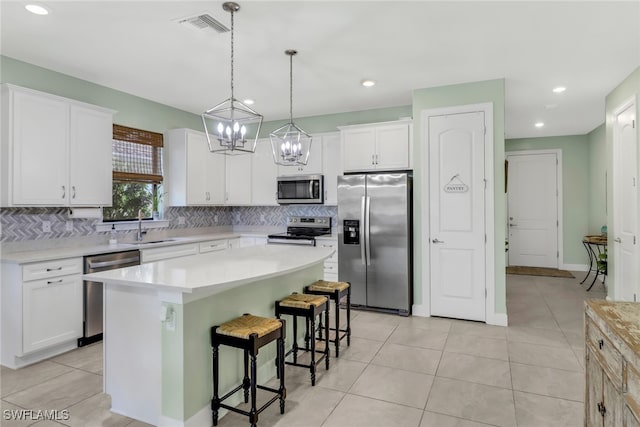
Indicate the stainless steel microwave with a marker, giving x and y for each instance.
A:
(301, 189)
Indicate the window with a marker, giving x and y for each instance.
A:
(137, 174)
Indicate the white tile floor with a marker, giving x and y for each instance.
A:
(398, 371)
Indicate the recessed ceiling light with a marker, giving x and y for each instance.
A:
(368, 83)
(249, 101)
(550, 106)
(37, 9)
(559, 89)
(539, 124)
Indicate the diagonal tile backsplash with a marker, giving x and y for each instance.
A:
(23, 224)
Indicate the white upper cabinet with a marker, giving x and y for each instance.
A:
(332, 166)
(264, 172)
(313, 166)
(194, 176)
(55, 151)
(374, 147)
(197, 177)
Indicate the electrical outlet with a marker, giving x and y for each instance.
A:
(46, 226)
(69, 226)
(181, 220)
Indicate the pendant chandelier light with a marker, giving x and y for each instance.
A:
(289, 143)
(231, 126)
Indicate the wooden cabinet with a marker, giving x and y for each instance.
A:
(313, 166)
(612, 361)
(55, 151)
(373, 147)
(197, 177)
(41, 310)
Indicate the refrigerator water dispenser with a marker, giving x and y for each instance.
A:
(351, 232)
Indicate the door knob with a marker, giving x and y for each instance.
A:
(437, 241)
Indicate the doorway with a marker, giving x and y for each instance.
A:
(533, 208)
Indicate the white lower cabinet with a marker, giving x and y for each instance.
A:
(41, 310)
(246, 241)
(166, 252)
(330, 264)
(214, 245)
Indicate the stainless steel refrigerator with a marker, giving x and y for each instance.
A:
(375, 240)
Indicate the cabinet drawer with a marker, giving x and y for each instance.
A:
(156, 254)
(633, 388)
(46, 269)
(332, 244)
(609, 357)
(214, 245)
(330, 267)
(330, 277)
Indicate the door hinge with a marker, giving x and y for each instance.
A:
(633, 123)
(634, 240)
(557, 254)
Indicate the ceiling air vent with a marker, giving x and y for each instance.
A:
(202, 21)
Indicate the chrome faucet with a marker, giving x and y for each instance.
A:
(140, 232)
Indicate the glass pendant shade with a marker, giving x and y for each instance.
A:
(290, 144)
(231, 127)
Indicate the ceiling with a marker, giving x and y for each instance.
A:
(139, 48)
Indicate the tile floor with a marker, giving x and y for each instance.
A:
(398, 371)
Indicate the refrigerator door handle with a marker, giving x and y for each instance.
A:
(367, 237)
(363, 255)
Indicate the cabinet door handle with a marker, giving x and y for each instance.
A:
(602, 409)
(54, 269)
(600, 344)
(51, 282)
(64, 192)
(376, 159)
(73, 192)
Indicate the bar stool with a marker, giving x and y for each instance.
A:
(307, 306)
(248, 333)
(335, 291)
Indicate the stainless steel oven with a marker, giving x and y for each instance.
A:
(301, 189)
(303, 230)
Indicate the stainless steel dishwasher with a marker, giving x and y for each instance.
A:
(93, 293)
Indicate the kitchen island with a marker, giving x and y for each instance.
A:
(157, 354)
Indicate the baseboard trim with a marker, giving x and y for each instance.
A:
(498, 319)
(420, 310)
(575, 267)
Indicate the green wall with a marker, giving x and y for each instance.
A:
(627, 89)
(575, 184)
(148, 115)
(598, 177)
(447, 96)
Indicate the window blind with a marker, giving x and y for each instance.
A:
(137, 155)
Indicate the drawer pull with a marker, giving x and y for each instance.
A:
(54, 269)
(602, 409)
(600, 343)
(51, 282)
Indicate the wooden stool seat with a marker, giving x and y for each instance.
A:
(248, 333)
(335, 291)
(309, 307)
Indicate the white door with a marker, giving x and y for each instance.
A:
(532, 209)
(625, 199)
(238, 179)
(457, 215)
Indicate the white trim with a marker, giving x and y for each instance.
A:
(574, 267)
(420, 310)
(614, 291)
(560, 201)
(497, 319)
(489, 202)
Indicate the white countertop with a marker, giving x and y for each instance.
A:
(215, 272)
(79, 251)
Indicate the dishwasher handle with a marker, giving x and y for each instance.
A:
(102, 264)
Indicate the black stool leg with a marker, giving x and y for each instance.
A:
(313, 350)
(326, 325)
(281, 389)
(215, 402)
(253, 414)
(349, 316)
(337, 297)
(246, 382)
(295, 339)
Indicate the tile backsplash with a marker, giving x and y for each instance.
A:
(22, 224)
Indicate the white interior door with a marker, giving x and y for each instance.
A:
(532, 208)
(457, 215)
(625, 203)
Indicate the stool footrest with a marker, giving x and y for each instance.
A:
(235, 390)
(246, 413)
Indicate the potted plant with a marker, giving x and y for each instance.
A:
(156, 201)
